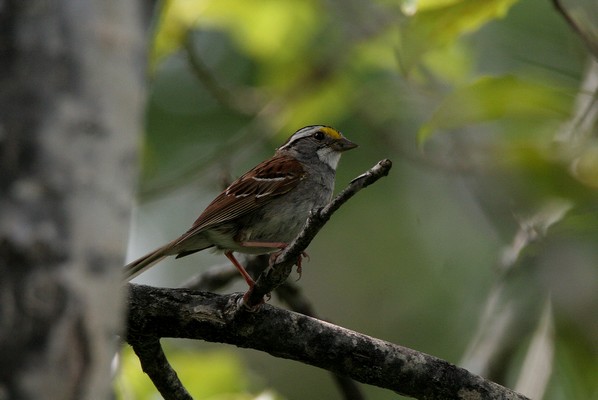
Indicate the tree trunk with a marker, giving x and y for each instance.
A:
(71, 93)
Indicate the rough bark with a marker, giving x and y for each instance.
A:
(243, 321)
(182, 313)
(70, 106)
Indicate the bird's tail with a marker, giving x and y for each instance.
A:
(134, 268)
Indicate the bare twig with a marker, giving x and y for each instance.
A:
(156, 366)
(506, 316)
(182, 313)
(229, 99)
(292, 295)
(234, 100)
(219, 276)
(277, 273)
(348, 388)
(213, 279)
(576, 21)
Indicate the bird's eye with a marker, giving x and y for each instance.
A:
(319, 135)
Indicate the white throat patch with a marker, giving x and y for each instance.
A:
(329, 156)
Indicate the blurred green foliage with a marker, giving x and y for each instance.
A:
(493, 98)
(488, 111)
(217, 375)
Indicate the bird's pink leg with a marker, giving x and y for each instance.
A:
(248, 279)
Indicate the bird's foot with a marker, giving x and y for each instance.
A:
(298, 263)
(254, 307)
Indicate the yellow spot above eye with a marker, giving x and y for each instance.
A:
(333, 133)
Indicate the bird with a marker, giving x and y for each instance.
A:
(265, 209)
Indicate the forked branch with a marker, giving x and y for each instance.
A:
(155, 313)
(183, 313)
(276, 274)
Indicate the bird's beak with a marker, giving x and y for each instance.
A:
(344, 144)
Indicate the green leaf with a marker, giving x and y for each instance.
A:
(434, 27)
(492, 98)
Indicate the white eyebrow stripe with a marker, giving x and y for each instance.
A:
(304, 132)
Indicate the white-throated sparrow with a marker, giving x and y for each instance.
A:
(263, 210)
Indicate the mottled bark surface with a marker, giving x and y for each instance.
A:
(157, 312)
(244, 321)
(70, 106)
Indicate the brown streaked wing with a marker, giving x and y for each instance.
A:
(258, 186)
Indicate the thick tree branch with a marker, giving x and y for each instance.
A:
(183, 313)
(152, 357)
(291, 294)
(276, 274)
(214, 278)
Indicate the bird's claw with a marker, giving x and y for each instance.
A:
(298, 263)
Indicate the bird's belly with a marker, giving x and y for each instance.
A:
(280, 222)
(273, 229)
